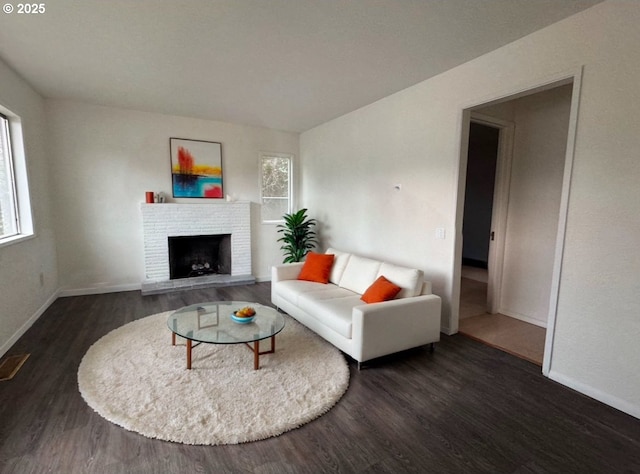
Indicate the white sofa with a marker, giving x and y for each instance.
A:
(336, 312)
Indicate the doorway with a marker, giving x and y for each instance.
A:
(510, 221)
(482, 159)
(479, 319)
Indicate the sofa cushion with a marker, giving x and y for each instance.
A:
(359, 273)
(317, 267)
(291, 290)
(381, 290)
(328, 292)
(335, 313)
(409, 279)
(339, 263)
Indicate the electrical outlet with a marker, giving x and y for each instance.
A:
(41, 279)
(440, 233)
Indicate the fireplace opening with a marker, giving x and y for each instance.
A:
(199, 255)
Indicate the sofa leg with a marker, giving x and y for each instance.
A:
(432, 347)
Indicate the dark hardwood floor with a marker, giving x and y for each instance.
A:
(465, 408)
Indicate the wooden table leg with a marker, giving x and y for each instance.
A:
(173, 338)
(256, 355)
(189, 354)
(256, 351)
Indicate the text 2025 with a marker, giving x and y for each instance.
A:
(31, 8)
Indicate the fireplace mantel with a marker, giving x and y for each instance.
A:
(161, 221)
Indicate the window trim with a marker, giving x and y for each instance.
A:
(11, 177)
(290, 157)
(22, 199)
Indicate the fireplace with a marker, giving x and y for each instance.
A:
(160, 222)
(199, 255)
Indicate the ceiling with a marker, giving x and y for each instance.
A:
(282, 64)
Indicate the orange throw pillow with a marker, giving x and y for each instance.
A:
(380, 290)
(317, 267)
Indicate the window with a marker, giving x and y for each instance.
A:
(8, 212)
(15, 207)
(275, 172)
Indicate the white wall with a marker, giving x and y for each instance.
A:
(104, 159)
(541, 126)
(413, 138)
(22, 296)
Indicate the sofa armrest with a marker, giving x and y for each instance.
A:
(396, 325)
(287, 271)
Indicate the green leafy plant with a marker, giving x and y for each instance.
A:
(298, 236)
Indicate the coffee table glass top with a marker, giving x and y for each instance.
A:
(212, 323)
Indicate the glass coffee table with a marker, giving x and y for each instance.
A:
(211, 323)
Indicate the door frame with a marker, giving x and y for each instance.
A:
(572, 76)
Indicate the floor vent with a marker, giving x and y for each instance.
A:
(10, 365)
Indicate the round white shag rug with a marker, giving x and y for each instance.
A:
(136, 379)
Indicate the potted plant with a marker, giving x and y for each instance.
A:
(297, 235)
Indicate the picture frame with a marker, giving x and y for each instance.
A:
(196, 168)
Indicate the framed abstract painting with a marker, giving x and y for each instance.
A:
(196, 168)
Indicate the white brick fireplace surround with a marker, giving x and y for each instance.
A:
(161, 221)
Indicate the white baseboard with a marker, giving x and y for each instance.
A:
(522, 317)
(607, 399)
(25, 327)
(447, 330)
(98, 290)
(261, 279)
